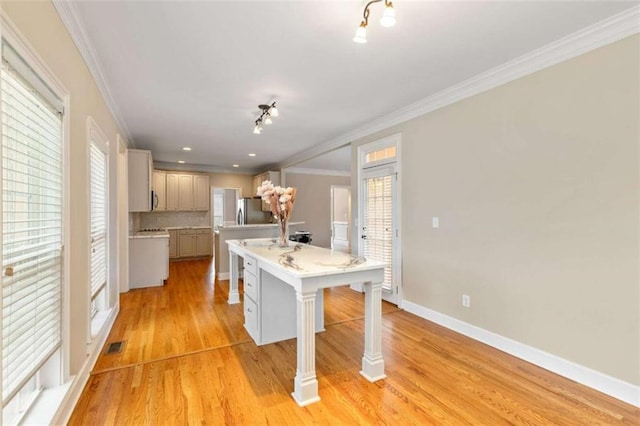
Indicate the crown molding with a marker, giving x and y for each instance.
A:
(607, 31)
(170, 166)
(67, 10)
(324, 172)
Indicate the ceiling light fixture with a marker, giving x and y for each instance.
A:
(186, 148)
(268, 111)
(181, 161)
(252, 155)
(388, 20)
(236, 165)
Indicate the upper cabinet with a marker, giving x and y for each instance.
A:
(159, 190)
(140, 168)
(172, 192)
(274, 177)
(187, 192)
(201, 191)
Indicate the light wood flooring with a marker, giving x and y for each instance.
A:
(188, 360)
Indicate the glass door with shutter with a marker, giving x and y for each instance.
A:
(378, 228)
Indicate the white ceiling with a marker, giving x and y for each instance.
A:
(192, 73)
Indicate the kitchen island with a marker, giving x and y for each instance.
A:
(241, 232)
(282, 285)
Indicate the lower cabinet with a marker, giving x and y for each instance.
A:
(270, 306)
(190, 243)
(173, 243)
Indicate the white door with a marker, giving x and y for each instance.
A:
(378, 230)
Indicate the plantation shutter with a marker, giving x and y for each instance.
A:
(377, 221)
(98, 166)
(32, 185)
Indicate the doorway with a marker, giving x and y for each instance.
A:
(379, 210)
(224, 206)
(341, 218)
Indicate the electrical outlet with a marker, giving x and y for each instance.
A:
(435, 222)
(466, 300)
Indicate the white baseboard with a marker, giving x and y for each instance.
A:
(611, 386)
(80, 380)
(222, 276)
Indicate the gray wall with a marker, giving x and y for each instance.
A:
(313, 203)
(536, 184)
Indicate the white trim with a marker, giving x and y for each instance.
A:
(63, 414)
(324, 172)
(67, 10)
(222, 276)
(607, 31)
(611, 386)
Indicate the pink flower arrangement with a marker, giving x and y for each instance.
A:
(281, 202)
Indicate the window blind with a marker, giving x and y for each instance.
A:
(378, 224)
(98, 167)
(32, 182)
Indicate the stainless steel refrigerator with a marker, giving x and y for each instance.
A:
(250, 212)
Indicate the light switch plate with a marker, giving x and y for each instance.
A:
(435, 222)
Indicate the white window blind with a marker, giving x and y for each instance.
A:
(98, 167)
(32, 184)
(378, 223)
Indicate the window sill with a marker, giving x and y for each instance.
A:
(46, 405)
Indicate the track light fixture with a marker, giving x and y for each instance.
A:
(268, 111)
(388, 20)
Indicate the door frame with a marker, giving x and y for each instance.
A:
(362, 167)
(347, 187)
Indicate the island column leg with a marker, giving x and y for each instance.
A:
(372, 362)
(234, 296)
(305, 385)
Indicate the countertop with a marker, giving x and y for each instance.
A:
(253, 226)
(303, 260)
(186, 227)
(150, 234)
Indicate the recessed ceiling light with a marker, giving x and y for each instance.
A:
(252, 155)
(181, 161)
(186, 148)
(236, 165)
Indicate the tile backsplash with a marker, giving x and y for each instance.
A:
(167, 219)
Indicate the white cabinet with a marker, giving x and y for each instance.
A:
(201, 192)
(173, 243)
(270, 306)
(186, 243)
(148, 261)
(192, 243)
(204, 245)
(160, 190)
(187, 192)
(140, 169)
(172, 192)
(274, 177)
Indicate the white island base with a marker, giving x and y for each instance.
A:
(307, 270)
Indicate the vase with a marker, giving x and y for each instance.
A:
(283, 233)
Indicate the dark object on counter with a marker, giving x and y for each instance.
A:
(301, 237)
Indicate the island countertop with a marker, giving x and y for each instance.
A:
(253, 226)
(303, 260)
